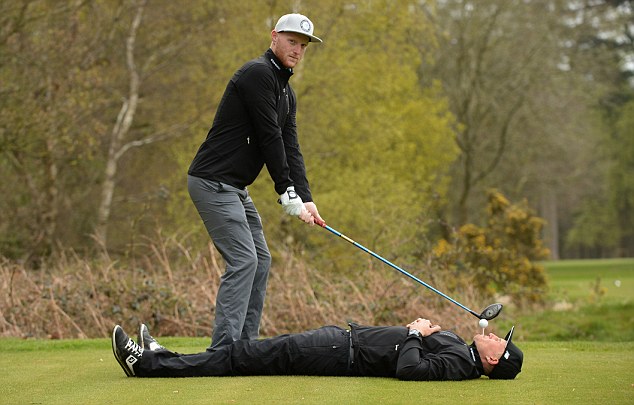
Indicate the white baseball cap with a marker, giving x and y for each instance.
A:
(296, 23)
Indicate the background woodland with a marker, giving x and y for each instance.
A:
(459, 139)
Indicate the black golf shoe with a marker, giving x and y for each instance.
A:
(125, 351)
(146, 341)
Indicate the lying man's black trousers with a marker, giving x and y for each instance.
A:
(325, 351)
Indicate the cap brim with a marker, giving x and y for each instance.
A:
(311, 38)
(509, 336)
(314, 39)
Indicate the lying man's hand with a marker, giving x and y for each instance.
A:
(424, 326)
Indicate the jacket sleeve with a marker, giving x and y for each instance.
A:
(417, 364)
(257, 90)
(294, 155)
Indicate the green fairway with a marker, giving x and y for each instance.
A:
(588, 300)
(608, 280)
(85, 372)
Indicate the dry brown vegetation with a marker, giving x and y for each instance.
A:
(174, 291)
(171, 285)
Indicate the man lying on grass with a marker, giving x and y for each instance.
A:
(419, 351)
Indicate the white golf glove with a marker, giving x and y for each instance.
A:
(291, 202)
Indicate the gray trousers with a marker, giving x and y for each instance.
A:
(234, 225)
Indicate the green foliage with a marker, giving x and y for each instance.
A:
(621, 180)
(525, 85)
(376, 143)
(594, 225)
(387, 156)
(604, 223)
(498, 258)
(374, 116)
(51, 87)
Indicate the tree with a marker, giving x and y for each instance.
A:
(376, 143)
(602, 225)
(47, 69)
(524, 90)
(621, 180)
(155, 53)
(76, 100)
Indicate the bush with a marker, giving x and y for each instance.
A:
(497, 259)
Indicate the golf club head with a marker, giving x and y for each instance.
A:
(491, 311)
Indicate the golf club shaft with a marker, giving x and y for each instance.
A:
(334, 231)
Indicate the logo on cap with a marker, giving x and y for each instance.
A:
(305, 25)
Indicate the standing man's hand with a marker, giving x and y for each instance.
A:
(293, 205)
(291, 202)
(424, 326)
(310, 213)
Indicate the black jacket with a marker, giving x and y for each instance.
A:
(390, 352)
(255, 126)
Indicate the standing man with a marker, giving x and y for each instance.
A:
(254, 126)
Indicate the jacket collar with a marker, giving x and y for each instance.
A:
(475, 356)
(277, 65)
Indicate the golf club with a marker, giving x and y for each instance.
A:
(488, 313)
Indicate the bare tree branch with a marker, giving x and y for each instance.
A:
(121, 127)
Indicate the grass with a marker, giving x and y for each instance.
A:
(592, 281)
(581, 353)
(589, 300)
(84, 371)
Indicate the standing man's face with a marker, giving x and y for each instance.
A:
(289, 47)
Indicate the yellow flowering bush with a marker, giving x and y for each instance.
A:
(500, 257)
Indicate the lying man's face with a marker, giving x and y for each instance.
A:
(490, 347)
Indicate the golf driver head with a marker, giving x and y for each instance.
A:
(491, 311)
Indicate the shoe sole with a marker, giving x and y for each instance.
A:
(141, 341)
(121, 362)
(142, 330)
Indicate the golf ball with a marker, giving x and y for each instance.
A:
(483, 323)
